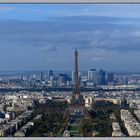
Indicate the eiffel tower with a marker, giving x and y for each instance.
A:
(77, 100)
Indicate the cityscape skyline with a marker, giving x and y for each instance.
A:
(91, 104)
(43, 36)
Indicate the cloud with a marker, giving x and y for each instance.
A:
(107, 10)
(96, 59)
(57, 34)
(48, 48)
(100, 41)
(135, 33)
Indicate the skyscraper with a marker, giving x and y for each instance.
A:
(101, 76)
(50, 73)
(92, 76)
(51, 81)
(110, 77)
(21, 77)
(28, 78)
(41, 77)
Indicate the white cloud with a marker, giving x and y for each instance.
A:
(135, 33)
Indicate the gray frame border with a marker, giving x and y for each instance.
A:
(70, 2)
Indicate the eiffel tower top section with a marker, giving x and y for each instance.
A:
(76, 89)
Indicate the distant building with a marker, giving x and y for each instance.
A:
(51, 81)
(19, 134)
(28, 78)
(2, 115)
(110, 77)
(41, 77)
(50, 73)
(126, 80)
(66, 133)
(88, 102)
(34, 76)
(117, 132)
(10, 115)
(68, 83)
(123, 102)
(130, 123)
(101, 77)
(24, 130)
(92, 76)
(1, 107)
(61, 80)
(21, 77)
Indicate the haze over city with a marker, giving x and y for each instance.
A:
(43, 36)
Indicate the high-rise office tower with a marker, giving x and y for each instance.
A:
(101, 77)
(110, 77)
(41, 77)
(21, 77)
(92, 76)
(34, 76)
(51, 81)
(126, 80)
(28, 78)
(61, 80)
(50, 73)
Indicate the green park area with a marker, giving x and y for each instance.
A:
(101, 122)
(53, 122)
(73, 127)
(52, 119)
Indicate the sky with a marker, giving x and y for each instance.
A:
(43, 36)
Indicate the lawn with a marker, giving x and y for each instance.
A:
(73, 128)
